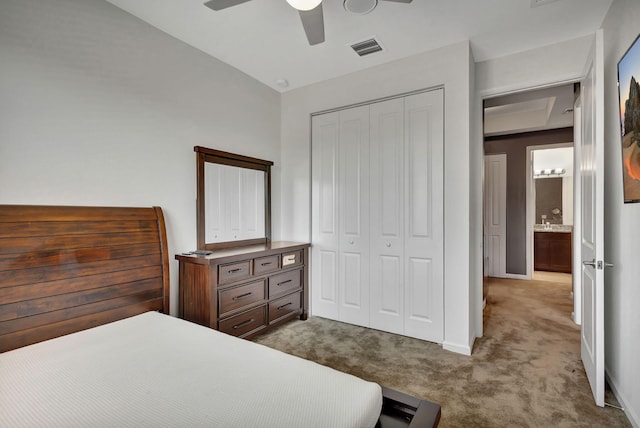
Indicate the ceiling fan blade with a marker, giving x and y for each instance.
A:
(223, 4)
(400, 1)
(313, 23)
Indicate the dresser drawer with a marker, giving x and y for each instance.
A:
(293, 258)
(266, 264)
(244, 323)
(234, 272)
(284, 306)
(237, 297)
(284, 283)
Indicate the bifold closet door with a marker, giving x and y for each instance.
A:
(424, 216)
(386, 215)
(325, 149)
(377, 215)
(340, 225)
(353, 179)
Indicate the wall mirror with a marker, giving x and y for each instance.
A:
(233, 201)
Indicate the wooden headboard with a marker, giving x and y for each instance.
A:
(64, 269)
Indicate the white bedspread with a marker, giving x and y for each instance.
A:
(155, 370)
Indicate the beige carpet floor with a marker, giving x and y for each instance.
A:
(525, 371)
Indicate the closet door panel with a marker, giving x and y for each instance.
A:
(386, 215)
(354, 216)
(326, 282)
(419, 301)
(388, 306)
(424, 216)
(324, 225)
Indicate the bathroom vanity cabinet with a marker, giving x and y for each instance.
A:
(552, 251)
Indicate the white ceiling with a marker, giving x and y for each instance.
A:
(536, 110)
(265, 39)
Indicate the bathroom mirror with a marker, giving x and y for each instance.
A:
(553, 185)
(233, 201)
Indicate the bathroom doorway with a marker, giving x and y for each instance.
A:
(551, 203)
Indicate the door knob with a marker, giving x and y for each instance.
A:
(351, 242)
(389, 244)
(602, 264)
(598, 265)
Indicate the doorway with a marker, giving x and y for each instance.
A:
(550, 207)
(529, 128)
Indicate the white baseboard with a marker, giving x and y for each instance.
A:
(631, 414)
(457, 348)
(516, 276)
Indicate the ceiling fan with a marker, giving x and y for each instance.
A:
(311, 12)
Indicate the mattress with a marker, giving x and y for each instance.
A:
(156, 370)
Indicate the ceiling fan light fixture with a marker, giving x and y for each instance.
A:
(304, 5)
(359, 7)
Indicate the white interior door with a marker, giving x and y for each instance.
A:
(495, 215)
(324, 217)
(387, 215)
(592, 220)
(353, 211)
(424, 216)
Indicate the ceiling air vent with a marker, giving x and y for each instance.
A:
(536, 3)
(366, 47)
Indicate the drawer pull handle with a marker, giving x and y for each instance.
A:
(242, 324)
(242, 296)
(284, 282)
(235, 270)
(284, 306)
(265, 264)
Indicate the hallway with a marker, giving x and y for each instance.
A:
(533, 318)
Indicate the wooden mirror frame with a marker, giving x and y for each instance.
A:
(203, 155)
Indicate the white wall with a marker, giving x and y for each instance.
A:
(622, 229)
(99, 108)
(476, 201)
(449, 66)
(558, 63)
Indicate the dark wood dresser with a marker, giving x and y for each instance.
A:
(245, 291)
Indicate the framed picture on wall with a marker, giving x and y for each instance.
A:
(629, 97)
